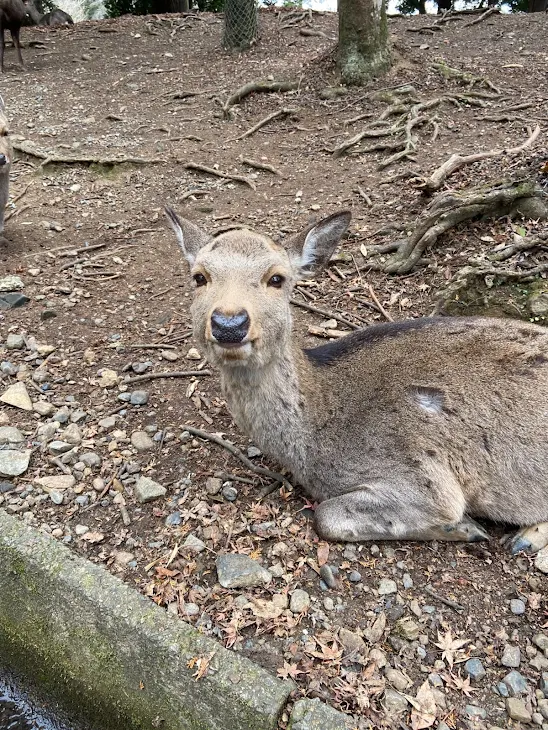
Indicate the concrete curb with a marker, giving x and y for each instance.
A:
(117, 660)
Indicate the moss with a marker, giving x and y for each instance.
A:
(508, 299)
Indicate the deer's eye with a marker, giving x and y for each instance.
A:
(200, 279)
(276, 281)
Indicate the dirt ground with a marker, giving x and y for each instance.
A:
(153, 88)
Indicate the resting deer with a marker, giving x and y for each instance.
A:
(400, 431)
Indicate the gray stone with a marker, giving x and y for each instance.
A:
(13, 463)
(543, 708)
(140, 367)
(11, 283)
(81, 529)
(517, 606)
(517, 711)
(541, 640)
(43, 408)
(57, 482)
(174, 519)
(17, 396)
(538, 303)
(253, 452)
(13, 300)
(474, 669)
(397, 679)
(82, 500)
(78, 415)
(213, 485)
(141, 441)
(62, 415)
(58, 447)
(300, 601)
(387, 586)
(108, 422)
(191, 609)
(6, 487)
(407, 581)
(539, 662)
(327, 575)
(502, 689)
(408, 628)
(354, 576)
(15, 342)
(72, 434)
(90, 459)
(7, 368)
(315, 715)
(473, 711)
(46, 432)
(435, 679)
(147, 489)
(56, 497)
(230, 493)
(193, 544)
(240, 571)
(544, 684)
(353, 643)
(394, 702)
(328, 603)
(541, 560)
(516, 683)
(11, 437)
(139, 398)
(511, 656)
(537, 718)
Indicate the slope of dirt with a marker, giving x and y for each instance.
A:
(153, 88)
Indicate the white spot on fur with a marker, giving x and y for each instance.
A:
(429, 401)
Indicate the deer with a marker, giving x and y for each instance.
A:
(6, 153)
(12, 16)
(399, 431)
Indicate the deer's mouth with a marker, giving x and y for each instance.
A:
(233, 350)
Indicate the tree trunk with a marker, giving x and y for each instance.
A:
(537, 6)
(363, 40)
(240, 24)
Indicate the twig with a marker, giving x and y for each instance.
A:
(261, 166)
(263, 86)
(20, 195)
(325, 313)
(275, 115)
(235, 451)
(484, 15)
(218, 173)
(170, 374)
(151, 346)
(446, 601)
(455, 162)
(225, 476)
(382, 310)
(364, 195)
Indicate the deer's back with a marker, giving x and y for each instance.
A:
(12, 12)
(468, 394)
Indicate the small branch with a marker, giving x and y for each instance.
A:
(456, 162)
(235, 451)
(170, 374)
(263, 86)
(261, 166)
(381, 309)
(325, 313)
(446, 601)
(483, 16)
(275, 115)
(218, 173)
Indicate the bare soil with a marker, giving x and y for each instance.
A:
(152, 88)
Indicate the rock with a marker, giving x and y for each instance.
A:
(516, 683)
(543, 708)
(474, 669)
(517, 711)
(147, 489)
(122, 558)
(72, 435)
(191, 609)
(511, 656)
(315, 715)
(11, 283)
(58, 447)
(300, 601)
(408, 628)
(378, 656)
(7, 368)
(13, 300)
(397, 679)
(240, 571)
(174, 519)
(328, 603)
(15, 342)
(141, 441)
(253, 452)
(13, 463)
(517, 606)
(62, 415)
(140, 367)
(193, 544)
(374, 633)
(43, 408)
(193, 354)
(352, 643)
(394, 702)
(78, 415)
(56, 497)
(169, 355)
(541, 559)
(108, 378)
(6, 487)
(213, 485)
(230, 493)
(473, 711)
(537, 301)
(108, 422)
(387, 586)
(407, 581)
(354, 576)
(64, 481)
(46, 432)
(544, 684)
(138, 398)
(81, 530)
(11, 437)
(16, 395)
(90, 459)
(539, 662)
(541, 640)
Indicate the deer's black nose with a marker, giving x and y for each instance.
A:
(3, 159)
(229, 329)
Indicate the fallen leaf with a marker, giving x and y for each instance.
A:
(323, 553)
(423, 714)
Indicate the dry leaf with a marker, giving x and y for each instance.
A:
(423, 714)
(265, 609)
(323, 553)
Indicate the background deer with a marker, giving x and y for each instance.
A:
(12, 16)
(399, 431)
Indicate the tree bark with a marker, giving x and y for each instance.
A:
(537, 6)
(240, 24)
(363, 40)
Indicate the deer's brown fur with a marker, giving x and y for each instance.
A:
(12, 16)
(6, 153)
(403, 430)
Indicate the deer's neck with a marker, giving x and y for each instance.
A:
(269, 405)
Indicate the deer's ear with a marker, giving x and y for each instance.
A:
(190, 237)
(311, 249)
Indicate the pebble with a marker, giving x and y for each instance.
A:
(62, 415)
(230, 493)
(543, 680)
(107, 378)
(15, 342)
(387, 586)
(543, 708)
(408, 628)
(12, 300)
(60, 482)
(56, 497)
(107, 423)
(407, 581)
(240, 571)
(517, 606)
(82, 500)
(72, 435)
(328, 603)
(91, 459)
(354, 576)
(397, 679)
(516, 683)
(58, 447)
(394, 702)
(541, 560)
(7, 368)
(147, 489)
(6, 487)
(11, 283)
(174, 519)
(511, 656)
(141, 367)
(43, 408)
(141, 441)
(11, 437)
(326, 574)
(474, 669)
(473, 711)
(191, 609)
(517, 711)
(193, 354)
(81, 529)
(352, 643)
(122, 558)
(13, 463)
(541, 640)
(139, 398)
(193, 544)
(17, 396)
(253, 452)
(300, 601)
(169, 355)
(213, 485)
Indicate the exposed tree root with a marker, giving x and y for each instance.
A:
(263, 86)
(483, 16)
(261, 166)
(466, 78)
(275, 115)
(456, 162)
(29, 148)
(448, 210)
(218, 173)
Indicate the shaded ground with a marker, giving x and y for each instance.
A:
(107, 90)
